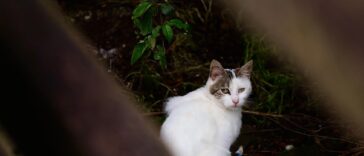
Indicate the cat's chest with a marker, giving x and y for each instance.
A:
(228, 126)
(227, 122)
(224, 120)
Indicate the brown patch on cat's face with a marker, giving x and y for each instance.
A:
(222, 82)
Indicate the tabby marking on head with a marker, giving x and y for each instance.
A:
(229, 85)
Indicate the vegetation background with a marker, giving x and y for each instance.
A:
(283, 109)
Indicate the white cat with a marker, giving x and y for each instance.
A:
(205, 122)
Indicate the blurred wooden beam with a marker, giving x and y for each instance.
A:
(58, 99)
(325, 39)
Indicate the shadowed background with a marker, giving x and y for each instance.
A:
(70, 106)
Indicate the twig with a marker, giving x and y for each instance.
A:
(199, 15)
(154, 113)
(167, 87)
(356, 151)
(189, 69)
(261, 131)
(313, 134)
(204, 5)
(156, 102)
(262, 114)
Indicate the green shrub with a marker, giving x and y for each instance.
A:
(152, 19)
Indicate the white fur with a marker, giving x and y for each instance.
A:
(198, 124)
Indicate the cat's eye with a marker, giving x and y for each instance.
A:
(225, 90)
(240, 90)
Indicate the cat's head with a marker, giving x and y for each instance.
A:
(231, 87)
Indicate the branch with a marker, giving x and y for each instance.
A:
(312, 134)
(243, 111)
(154, 113)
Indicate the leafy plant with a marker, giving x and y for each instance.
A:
(152, 19)
(277, 89)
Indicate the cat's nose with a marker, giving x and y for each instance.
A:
(235, 101)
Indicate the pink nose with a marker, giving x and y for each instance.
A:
(235, 101)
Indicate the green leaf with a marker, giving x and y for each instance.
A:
(160, 55)
(141, 9)
(166, 8)
(167, 32)
(152, 42)
(138, 51)
(137, 22)
(178, 24)
(155, 31)
(145, 23)
(157, 53)
(163, 62)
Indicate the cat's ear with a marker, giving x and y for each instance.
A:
(216, 70)
(246, 69)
